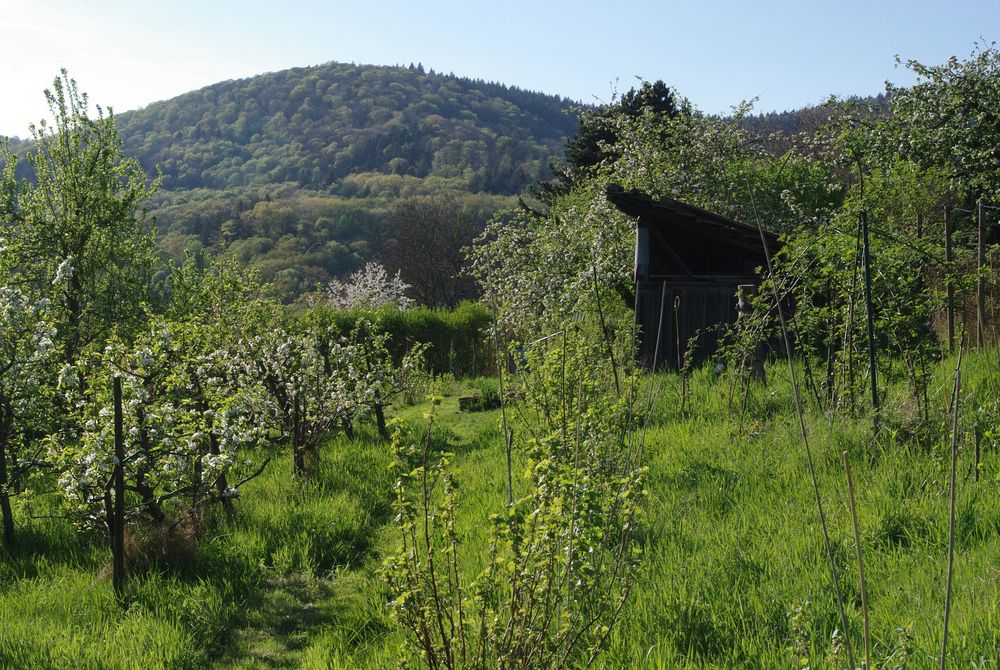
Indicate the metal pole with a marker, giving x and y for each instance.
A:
(866, 260)
(861, 563)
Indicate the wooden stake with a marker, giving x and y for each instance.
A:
(680, 356)
(677, 332)
(118, 522)
(508, 434)
(872, 361)
(956, 402)
(659, 326)
(980, 289)
(978, 436)
(753, 361)
(949, 288)
(605, 331)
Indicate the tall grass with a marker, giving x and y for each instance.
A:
(191, 604)
(735, 572)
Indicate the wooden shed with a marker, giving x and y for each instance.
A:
(692, 262)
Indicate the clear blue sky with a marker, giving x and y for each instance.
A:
(787, 54)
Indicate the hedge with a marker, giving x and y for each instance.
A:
(459, 338)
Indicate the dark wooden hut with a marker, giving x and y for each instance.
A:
(692, 262)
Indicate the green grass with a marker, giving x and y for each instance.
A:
(735, 573)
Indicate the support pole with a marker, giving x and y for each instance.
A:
(753, 361)
(872, 360)
(949, 287)
(861, 563)
(118, 524)
(680, 355)
(980, 289)
(956, 400)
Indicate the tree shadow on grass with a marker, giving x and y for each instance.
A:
(40, 544)
(288, 616)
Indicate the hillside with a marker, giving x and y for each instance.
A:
(317, 125)
(302, 174)
(780, 130)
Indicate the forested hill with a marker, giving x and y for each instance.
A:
(315, 126)
(308, 173)
(781, 128)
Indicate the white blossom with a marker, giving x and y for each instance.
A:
(370, 287)
(64, 272)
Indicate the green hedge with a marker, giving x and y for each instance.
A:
(459, 338)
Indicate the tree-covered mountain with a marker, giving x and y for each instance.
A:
(317, 125)
(780, 130)
(306, 174)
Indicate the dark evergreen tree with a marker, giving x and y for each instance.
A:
(592, 142)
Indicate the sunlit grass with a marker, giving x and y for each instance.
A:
(735, 573)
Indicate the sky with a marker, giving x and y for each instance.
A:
(128, 53)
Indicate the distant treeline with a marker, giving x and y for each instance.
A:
(298, 239)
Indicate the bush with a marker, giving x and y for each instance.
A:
(459, 339)
(485, 396)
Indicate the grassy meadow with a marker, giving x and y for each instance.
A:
(735, 572)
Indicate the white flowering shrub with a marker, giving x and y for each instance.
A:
(190, 424)
(539, 271)
(26, 356)
(370, 287)
(309, 381)
(377, 378)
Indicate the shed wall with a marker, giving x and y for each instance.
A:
(702, 305)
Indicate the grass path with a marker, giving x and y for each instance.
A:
(337, 618)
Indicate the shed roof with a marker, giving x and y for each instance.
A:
(674, 218)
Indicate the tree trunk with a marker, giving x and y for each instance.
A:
(298, 454)
(8, 515)
(8, 518)
(75, 311)
(221, 483)
(149, 503)
(196, 489)
(312, 464)
(150, 506)
(383, 431)
(298, 461)
(118, 511)
(348, 427)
